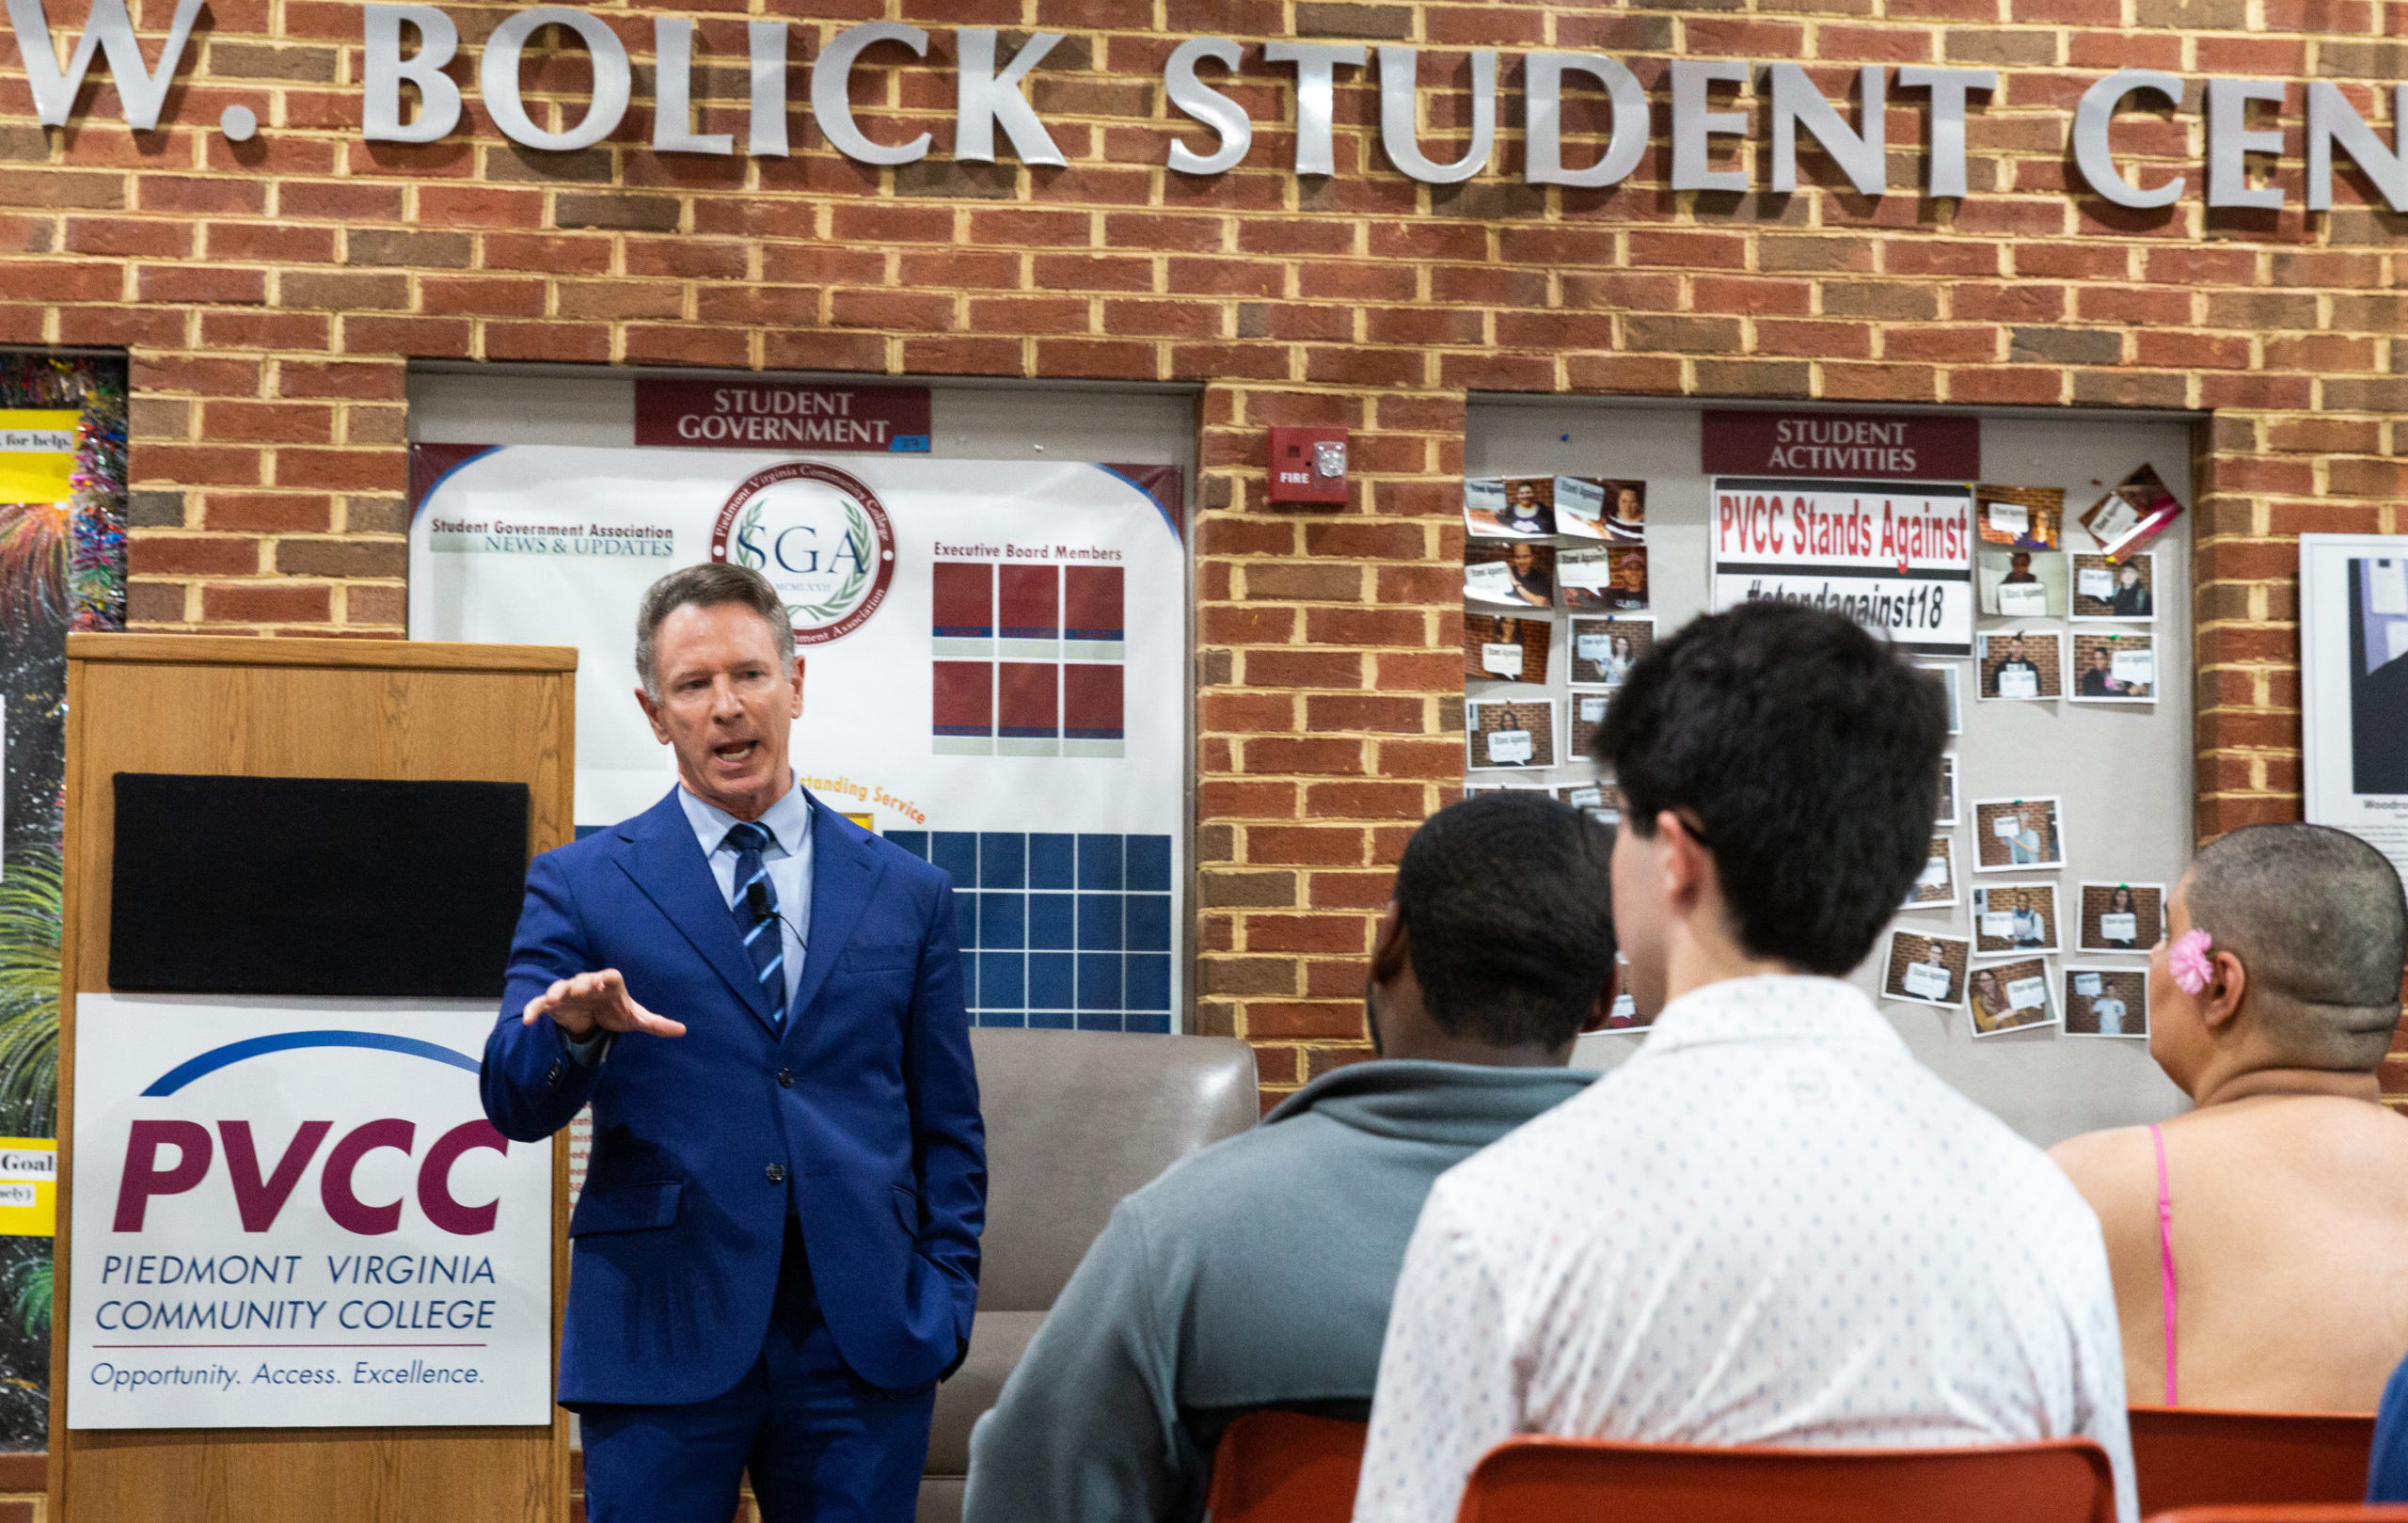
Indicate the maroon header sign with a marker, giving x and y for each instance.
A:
(1878, 446)
(772, 415)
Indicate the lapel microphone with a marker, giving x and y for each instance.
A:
(756, 898)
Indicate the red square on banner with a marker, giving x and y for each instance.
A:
(1025, 701)
(1091, 603)
(1091, 702)
(965, 702)
(1031, 603)
(962, 600)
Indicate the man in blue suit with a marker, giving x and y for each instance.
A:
(776, 1255)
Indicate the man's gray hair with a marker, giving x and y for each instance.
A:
(2316, 916)
(708, 586)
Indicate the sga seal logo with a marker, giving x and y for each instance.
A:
(820, 537)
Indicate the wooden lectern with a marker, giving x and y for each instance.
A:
(323, 709)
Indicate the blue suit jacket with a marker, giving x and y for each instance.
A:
(861, 1118)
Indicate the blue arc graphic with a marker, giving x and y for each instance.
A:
(235, 1051)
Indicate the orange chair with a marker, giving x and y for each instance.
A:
(1585, 1481)
(2196, 1457)
(2287, 1513)
(1286, 1468)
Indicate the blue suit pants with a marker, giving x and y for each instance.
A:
(820, 1443)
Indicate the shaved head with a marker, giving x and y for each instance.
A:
(2316, 916)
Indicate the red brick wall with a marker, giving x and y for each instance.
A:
(271, 294)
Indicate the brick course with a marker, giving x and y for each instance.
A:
(271, 294)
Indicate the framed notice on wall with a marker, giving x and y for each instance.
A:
(2353, 686)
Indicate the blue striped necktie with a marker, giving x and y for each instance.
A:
(756, 910)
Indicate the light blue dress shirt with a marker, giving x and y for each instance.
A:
(789, 860)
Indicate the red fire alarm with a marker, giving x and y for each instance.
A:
(1308, 465)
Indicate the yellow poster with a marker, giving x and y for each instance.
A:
(37, 455)
(28, 1188)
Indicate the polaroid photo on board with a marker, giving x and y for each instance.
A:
(2016, 835)
(2009, 996)
(2106, 1002)
(1609, 578)
(1605, 650)
(2120, 917)
(1587, 716)
(2020, 517)
(2021, 665)
(1935, 887)
(1586, 508)
(1499, 647)
(1926, 970)
(2122, 589)
(2115, 666)
(2010, 918)
(1514, 576)
(1946, 813)
(2133, 512)
(1513, 507)
(1946, 672)
(1504, 733)
(2019, 584)
(1594, 800)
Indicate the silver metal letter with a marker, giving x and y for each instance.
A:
(1946, 142)
(498, 76)
(2091, 154)
(1314, 62)
(673, 92)
(109, 31)
(1862, 156)
(1206, 106)
(1543, 119)
(984, 98)
(1692, 123)
(765, 43)
(831, 100)
(2230, 138)
(2332, 118)
(1400, 135)
(386, 71)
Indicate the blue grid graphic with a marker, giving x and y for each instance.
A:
(1071, 931)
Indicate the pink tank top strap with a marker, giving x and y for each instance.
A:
(2165, 1258)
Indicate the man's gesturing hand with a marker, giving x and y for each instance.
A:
(597, 1001)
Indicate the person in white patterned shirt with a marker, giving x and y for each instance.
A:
(1771, 1226)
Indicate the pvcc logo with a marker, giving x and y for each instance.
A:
(820, 537)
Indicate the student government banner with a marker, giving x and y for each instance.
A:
(294, 1215)
(993, 656)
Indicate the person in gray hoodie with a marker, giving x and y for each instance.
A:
(1258, 1272)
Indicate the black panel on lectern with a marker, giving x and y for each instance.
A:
(309, 885)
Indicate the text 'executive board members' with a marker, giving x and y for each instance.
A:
(776, 1253)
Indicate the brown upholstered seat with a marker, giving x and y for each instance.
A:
(1075, 1120)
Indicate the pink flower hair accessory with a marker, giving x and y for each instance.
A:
(2188, 961)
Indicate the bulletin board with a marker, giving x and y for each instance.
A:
(2119, 775)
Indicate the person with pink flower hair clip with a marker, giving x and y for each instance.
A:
(2260, 1242)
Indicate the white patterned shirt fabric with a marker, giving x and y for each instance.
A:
(1771, 1226)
